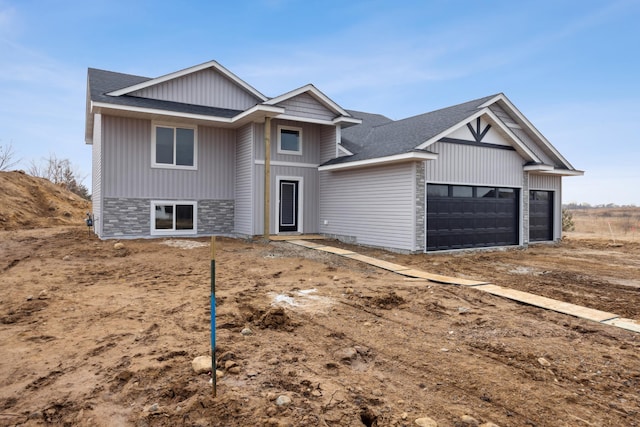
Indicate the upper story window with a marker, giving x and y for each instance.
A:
(289, 140)
(174, 147)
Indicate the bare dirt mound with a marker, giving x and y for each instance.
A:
(30, 202)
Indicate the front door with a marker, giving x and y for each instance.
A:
(288, 210)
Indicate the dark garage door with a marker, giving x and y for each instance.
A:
(460, 217)
(540, 216)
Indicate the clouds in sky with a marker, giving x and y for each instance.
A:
(570, 69)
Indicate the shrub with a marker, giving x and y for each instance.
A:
(567, 220)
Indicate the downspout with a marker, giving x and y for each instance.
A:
(267, 174)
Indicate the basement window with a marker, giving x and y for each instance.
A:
(173, 218)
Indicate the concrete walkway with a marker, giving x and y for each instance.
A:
(602, 317)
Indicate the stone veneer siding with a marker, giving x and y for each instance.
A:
(123, 217)
(525, 209)
(420, 207)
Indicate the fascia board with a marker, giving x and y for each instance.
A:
(302, 119)
(523, 120)
(520, 147)
(379, 161)
(562, 172)
(346, 120)
(267, 110)
(191, 70)
(324, 99)
(538, 168)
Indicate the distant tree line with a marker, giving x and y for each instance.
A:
(583, 205)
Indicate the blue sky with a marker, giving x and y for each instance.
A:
(571, 67)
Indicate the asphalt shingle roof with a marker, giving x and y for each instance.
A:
(102, 82)
(379, 136)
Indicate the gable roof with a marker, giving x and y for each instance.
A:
(102, 83)
(378, 138)
(177, 74)
(315, 93)
(108, 90)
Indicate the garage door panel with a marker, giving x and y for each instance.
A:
(540, 215)
(489, 218)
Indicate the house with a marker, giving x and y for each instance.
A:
(201, 152)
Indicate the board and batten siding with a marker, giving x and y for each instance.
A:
(310, 143)
(305, 105)
(474, 165)
(376, 205)
(244, 181)
(96, 174)
(206, 87)
(310, 191)
(127, 170)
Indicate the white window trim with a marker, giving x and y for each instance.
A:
(294, 128)
(154, 125)
(276, 213)
(173, 232)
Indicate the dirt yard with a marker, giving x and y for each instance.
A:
(93, 335)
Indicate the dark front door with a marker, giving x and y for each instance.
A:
(540, 216)
(288, 215)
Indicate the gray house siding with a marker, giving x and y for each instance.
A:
(327, 143)
(479, 166)
(472, 165)
(128, 172)
(370, 206)
(130, 184)
(310, 143)
(304, 105)
(96, 179)
(206, 87)
(309, 191)
(550, 183)
(244, 207)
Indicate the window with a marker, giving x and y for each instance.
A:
(173, 217)
(485, 192)
(289, 140)
(174, 147)
(461, 191)
(437, 190)
(506, 193)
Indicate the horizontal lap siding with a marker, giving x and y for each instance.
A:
(206, 87)
(128, 172)
(464, 164)
(244, 181)
(304, 105)
(374, 205)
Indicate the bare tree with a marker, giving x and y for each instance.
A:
(7, 157)
(60, 172)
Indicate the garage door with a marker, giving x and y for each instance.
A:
(460, 217)
(540, 216)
